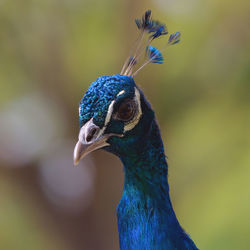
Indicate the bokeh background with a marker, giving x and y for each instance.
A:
(51, 50)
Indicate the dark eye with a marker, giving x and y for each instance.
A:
(126, 110)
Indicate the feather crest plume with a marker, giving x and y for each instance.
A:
(149, 31)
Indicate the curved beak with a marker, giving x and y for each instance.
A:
(90, 138)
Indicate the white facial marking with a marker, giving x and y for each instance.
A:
(109, 113)
(137, 117)
(79, 109)
(110, 110)
(121, 92)
(108, 117)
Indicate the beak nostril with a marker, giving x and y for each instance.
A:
(91, 134)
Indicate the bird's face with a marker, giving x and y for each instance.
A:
(114, 115)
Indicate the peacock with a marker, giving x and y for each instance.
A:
(115, 116)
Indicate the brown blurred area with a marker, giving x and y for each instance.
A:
(50, 53)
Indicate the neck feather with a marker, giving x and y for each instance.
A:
(145, 214)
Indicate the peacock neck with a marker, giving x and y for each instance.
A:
(146, 168)
(146, 219)
(146, 165)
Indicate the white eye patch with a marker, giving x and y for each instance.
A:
(109, 113)
(108, 117)
(121, 92)
(111, 108)
(131, 124)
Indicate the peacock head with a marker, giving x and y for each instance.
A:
(114, 113)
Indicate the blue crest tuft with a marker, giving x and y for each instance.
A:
(159, 32)
(150, 30)
(158, 29)
(145, 22)
(154, 55)
(174, 38)
(151, 26)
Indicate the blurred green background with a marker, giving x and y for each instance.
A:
(51, 50)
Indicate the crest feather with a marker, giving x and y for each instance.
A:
(150, 30)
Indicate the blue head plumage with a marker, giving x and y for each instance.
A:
(100, 94)
(115, 105)
(115, 115)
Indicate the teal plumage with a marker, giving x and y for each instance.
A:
(115, 115)
(154, 55)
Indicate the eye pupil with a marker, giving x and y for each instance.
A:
(126, 110)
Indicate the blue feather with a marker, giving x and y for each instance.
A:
(151, 26)
(158, 29)
(174, 38)
(154, 55)
(145, 22)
